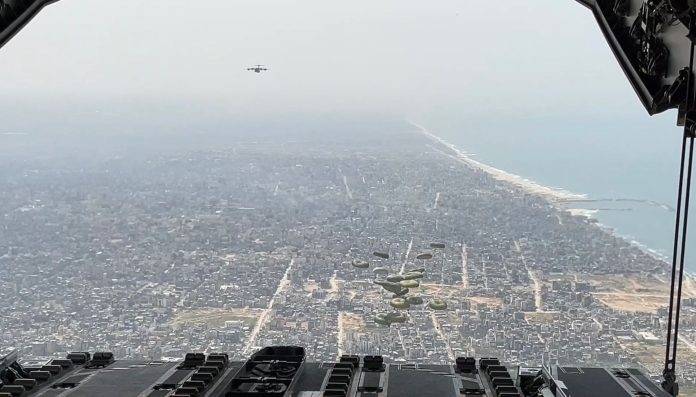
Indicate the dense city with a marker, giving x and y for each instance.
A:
(252, 244)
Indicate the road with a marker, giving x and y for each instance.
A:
(265, 316)
(536, 285)
(598, 323)
(345, 183)
(465, 271)
(688, 343)
(436, 324)
(401, 340)
(537, 289)
(341, 335)
(483, 272)
(333, 291)
(408, 251)
(663, 296)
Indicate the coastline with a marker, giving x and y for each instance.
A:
(554, 195)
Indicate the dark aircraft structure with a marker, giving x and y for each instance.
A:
(653, 42)
(15, 14)
(257, 69)
(285, 371)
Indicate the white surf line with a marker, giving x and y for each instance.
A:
(465, 269)
(264, 317)
(551, 194)
(554, 196)
(438, 329)
(408, 251)
(437, 199)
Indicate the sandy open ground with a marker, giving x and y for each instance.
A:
(216, 317)
(634, 293)
(352, 322)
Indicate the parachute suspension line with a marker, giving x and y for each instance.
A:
(669, 359)
(682, 217)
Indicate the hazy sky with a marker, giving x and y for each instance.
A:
(498, 77)
(408, 56)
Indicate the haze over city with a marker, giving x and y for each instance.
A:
(158, 198)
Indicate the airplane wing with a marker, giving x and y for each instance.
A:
(15, 15)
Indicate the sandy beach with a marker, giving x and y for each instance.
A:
(551, 194)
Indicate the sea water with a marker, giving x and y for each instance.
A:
(628, 167)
